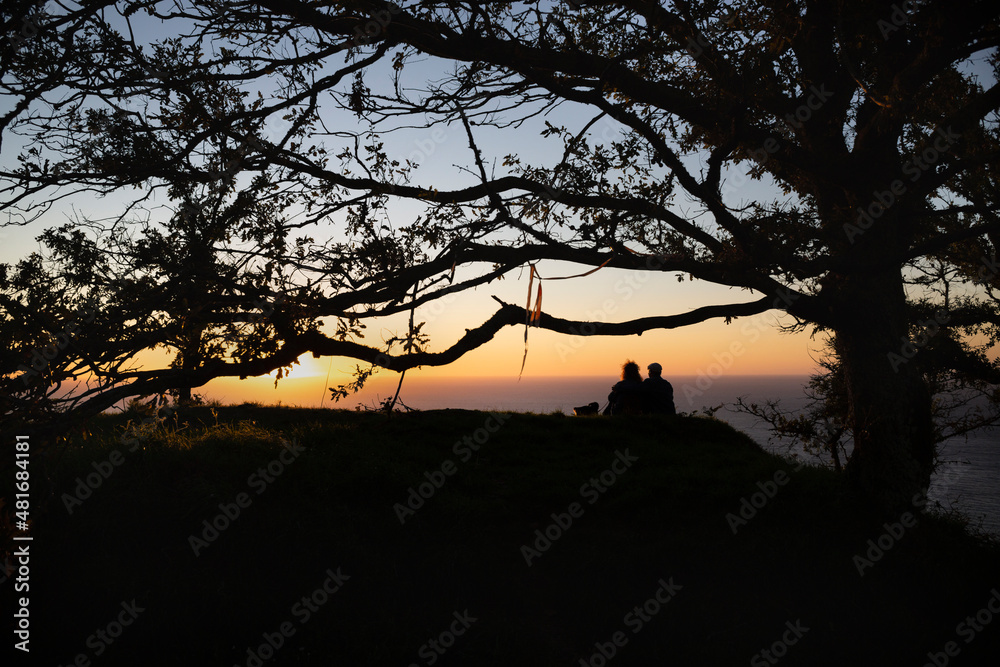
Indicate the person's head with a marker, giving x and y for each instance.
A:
(630, 371)
(655, 370)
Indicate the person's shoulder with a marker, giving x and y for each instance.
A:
(659, 383)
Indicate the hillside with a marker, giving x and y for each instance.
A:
(305, 537)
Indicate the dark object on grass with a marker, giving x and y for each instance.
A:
(589, 409)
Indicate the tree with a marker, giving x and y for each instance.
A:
(869, 120)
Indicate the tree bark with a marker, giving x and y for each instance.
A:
(191, 355)
(888, 398)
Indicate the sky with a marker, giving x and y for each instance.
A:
(749, 345)
(745, 346)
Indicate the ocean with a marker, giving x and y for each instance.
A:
(966, 481)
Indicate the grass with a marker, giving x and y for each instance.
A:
(333, 506)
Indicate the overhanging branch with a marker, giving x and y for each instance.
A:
(144, 383)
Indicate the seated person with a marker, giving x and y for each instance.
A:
(658, 394)
(626, 397)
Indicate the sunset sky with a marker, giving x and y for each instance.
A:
(442, 153)
(746, 346)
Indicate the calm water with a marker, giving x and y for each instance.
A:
(968, 481)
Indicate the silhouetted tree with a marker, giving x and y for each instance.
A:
(874, 122)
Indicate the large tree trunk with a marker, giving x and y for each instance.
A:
(191, 355)
(184, 396)
(890, 404)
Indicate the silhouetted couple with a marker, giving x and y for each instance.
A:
(635, 396)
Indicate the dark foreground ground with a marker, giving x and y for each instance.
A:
(647, 560)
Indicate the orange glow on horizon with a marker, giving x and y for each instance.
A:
(748, 346)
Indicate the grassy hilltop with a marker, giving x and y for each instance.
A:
(277, 536)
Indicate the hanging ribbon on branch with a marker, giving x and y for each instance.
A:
(536, 313)
(529, 318)
(533, 316)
